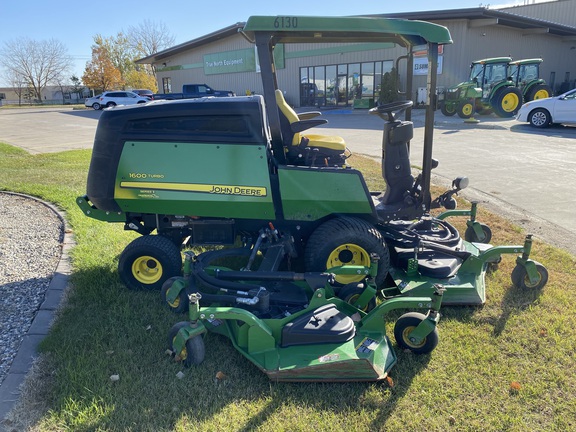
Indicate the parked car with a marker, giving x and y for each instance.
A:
(113, 98)
(144, 93)
(542, 113)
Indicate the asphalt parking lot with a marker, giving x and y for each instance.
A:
(524, 173)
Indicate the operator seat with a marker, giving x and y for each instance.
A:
(309, 149)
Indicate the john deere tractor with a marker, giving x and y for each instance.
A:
(497, 85)
(525, 75)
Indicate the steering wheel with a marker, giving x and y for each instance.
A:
(387, 111)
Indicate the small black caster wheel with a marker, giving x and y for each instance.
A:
(405, 325)
(521, 280)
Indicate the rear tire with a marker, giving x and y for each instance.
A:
(96, 106)
(148, 261)
(539, 91)
(507, 101)
(346, 241)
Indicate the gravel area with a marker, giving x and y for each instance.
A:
(31, 236)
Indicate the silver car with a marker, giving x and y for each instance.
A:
(112, 98)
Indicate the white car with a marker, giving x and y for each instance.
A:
(542, 113)
(113, 98)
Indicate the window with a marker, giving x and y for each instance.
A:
(167, 85)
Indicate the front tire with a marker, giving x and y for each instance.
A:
(540, 118)
(181, 303)
(346, 241)
(466, 109)
(110, 105)
(520, 277)
(404, 326)
(471, 236)
(148, 261)
(351, 292)
(194, 350)
(447, 110)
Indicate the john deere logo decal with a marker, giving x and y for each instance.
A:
(203, 188)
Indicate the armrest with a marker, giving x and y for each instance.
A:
(308, 115)
(302, 125)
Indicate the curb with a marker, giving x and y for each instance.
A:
(28, 350)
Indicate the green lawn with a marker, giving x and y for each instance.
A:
(506, 366)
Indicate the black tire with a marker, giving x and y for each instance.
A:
(346, 240)
(96, 106)
(540, 118)
(350, 293)
(520, 277)
(538, 91)
(465, 109)
(194, 351)
(507, 101)
(448, 111)
(181, 303)
(405, 324)
(471, 236)
(148, 261)
(110, 105)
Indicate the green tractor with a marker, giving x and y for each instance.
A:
(525, 74)
(494, 85)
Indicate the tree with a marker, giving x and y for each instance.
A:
(39, 63)
(100, 72)
(389, 88)
(137, 79)
(119, 52)
(149, 37)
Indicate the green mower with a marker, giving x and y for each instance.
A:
(214, 171)
(295, 326)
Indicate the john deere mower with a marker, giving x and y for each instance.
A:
(218, 171)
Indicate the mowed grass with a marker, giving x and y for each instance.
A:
(506, 366)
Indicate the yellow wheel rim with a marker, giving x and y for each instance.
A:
(541, 94)
(467, 109)
(510, 102)
(182, 354)
(147, 270)
(530, 284)
(406, 338)
(348, 254)
(175, 303)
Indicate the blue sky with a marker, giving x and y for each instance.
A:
(75, 23)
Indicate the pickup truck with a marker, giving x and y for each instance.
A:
(190, 91)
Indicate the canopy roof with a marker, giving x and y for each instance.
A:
(310, 29)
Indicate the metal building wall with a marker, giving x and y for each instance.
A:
(558, 11)
(470, 43)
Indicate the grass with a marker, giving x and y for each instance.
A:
(506, 366)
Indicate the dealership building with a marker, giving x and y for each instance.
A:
(332, 75)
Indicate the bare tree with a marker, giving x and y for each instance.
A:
(17, 82)
(149, 37)
(38, 62)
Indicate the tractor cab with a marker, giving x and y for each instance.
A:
(526, 76)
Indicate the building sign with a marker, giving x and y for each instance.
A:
(230, 62)
(421, 65)
(244, 60)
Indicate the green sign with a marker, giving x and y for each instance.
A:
(230, 62)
